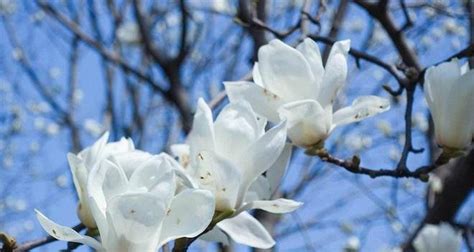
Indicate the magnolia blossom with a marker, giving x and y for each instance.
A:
(82, 163)
(292, 84)
(135, 202)
(228, 157)
(129, 33)
(438, 238)
(449, 91)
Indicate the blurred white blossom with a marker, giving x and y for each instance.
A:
(52, 129)
(54, 72)
(436, 183)
(7, 7)
(77, 96)
(62, 181)
(394, 153)
(129, 33)
(17, 53)
(385, 127)
(420, 121)
(352, 244)
(93, 127)
(438, 238)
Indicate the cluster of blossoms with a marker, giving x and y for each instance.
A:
(138, 201)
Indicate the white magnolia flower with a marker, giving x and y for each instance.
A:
(129, 33)
(352, 244)
(132, 200)
(449, 91)
(228, 157)
(82, 163)
(438, 238)
(292, 84)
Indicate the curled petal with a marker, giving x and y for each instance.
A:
(263, 101)
(279, 206)
(246, 230)
(66, 233)
(136, 219)
(261, 155)
(308, 122)
(310, 51)
(236, 127)
(361, 108)
(202, 133)
(189, 215)
(221, 177)
(286, 72)
(278, 169)
(335, 73)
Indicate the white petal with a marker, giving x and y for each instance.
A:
(179, 171)
(155, 176)
(220, 177)
(464, 68)
(182, 152)
(216, 235)
(278, 169)
(189, 215)
(335, 73)
(438, 81)
(361, 108)
(124, 145)
(259, 190)
(130, 161)
(79, 174)
(260, 157)
(105, 181)
(246, 230)
(454, 128)
(263, 101)
(257, 78)
(279, 206)
(308, 122)
(91, 155)
(201, 136)
(136, 219)
(65, 233)
(236, 128)
(310, 51)
(286, 72)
